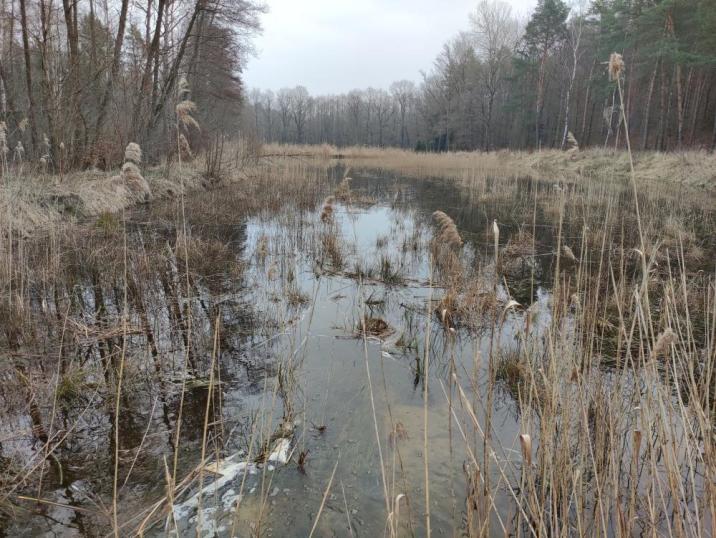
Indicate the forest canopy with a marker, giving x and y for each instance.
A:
(506, 83)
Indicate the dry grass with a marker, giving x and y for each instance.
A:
(694, 168)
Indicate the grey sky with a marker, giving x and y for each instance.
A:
(333, 46)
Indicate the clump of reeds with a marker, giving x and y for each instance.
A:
(374, 327)
(447, 230)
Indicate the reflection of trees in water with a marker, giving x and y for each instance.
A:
(64, 336)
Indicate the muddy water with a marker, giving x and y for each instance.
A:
(278, 308)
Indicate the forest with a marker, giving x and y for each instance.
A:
(81, 79)
(508, 83)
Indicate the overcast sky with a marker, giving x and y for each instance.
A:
(333, 46)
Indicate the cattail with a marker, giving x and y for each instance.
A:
(663, 342)
(526, 444)
(184, 111)
(616, 65)
(133, 153)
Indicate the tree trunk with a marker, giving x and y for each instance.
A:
(28, 76)
(7, 98)
(661, 142)
(647, 107)
(679, 108)
(174, 70)
(569, 96)
(49, 104)
(69, 8)
(147, 71)
(116, 57)
(695, 108)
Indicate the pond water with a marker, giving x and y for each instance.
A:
(311, 335)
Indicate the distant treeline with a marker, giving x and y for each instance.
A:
(79, 79)
(503, 84)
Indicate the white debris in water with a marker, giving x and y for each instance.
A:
(229, 499)
(280, 452)
(227, 470)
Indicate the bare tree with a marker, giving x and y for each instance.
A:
(300, 104)
(496, 35)
(404, 94)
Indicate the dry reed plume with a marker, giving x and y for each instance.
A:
(447, 230)
(131, 176)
